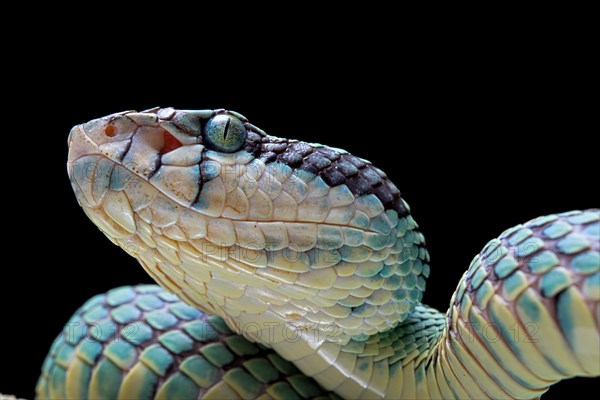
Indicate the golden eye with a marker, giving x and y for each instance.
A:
(224, 133)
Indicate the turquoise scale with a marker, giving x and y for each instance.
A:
(140, 342)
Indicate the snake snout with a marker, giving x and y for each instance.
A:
(80, 145)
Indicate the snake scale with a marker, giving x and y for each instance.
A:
(295, 270)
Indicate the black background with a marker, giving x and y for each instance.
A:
(477, 138)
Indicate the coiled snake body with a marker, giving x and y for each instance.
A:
(309, 271)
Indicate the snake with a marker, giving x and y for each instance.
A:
(293, 270)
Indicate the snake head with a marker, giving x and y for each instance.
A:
(238, 222)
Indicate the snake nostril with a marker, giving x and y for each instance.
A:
(110, 130)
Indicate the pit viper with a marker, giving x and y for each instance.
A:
(295, 270)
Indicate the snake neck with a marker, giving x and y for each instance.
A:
(373, 367)
(524, 316)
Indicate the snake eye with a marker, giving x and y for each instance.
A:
(224, 133)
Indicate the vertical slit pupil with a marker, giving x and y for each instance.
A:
(226, 129)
